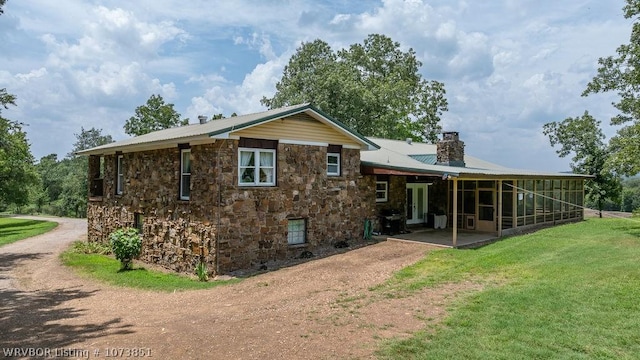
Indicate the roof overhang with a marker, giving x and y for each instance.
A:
(377, 169)
(155, 145)
(368, 168)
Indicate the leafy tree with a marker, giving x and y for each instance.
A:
(621, 73)
(88, 139)
(583, 137)
(155, 115)
(221, 116)
(373, 87)
(62, 190)
(73, 197)
(630, 195)
(17, 172)
(51, 179)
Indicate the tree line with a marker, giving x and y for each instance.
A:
(58, 186)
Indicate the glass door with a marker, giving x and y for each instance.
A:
(416, 203)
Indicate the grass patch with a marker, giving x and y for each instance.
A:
(107, 269)
(12, 230)
(569, 292)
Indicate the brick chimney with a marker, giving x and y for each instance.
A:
(450, 150)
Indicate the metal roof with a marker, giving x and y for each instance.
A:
(220, 129)
(408, 156)
(429, 159)
(380, 153)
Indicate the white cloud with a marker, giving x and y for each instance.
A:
(32, 74)
(241, 99)
(207, 79)
(508, 66)
(257, 41)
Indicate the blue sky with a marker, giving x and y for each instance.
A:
(508, 66)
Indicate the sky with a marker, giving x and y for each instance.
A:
(508, 66)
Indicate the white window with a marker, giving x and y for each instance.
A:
(257, 167)
(296, 231)
(120, 176)
(333, 164)
(381, 191)
(185, 174)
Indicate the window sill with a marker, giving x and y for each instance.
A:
(298, 246)
(95, 198)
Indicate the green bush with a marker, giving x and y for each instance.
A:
(201, 271)
(126, 245)
(90, 247)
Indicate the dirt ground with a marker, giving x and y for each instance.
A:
(322, 309)
(590, 213)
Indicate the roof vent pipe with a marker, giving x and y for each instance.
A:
(202, 118)
(409, 141)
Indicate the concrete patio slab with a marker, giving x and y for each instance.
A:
(443, 237)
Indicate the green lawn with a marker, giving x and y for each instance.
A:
(569, 292)
(106, 269)
(12, 230)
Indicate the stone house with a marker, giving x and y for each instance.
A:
(249, 190)
(236, 192)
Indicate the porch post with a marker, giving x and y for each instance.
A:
(499, 208)
(455, 211)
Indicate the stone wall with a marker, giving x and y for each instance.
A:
(396, 197)
(248, 224)
(438, 196)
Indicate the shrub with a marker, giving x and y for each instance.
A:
(126, 245)
(201, 271)
(91, 247)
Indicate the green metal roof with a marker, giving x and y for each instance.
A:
(429, 159)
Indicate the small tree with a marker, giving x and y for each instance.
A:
(154, 115)
(126, 245)
(582, 137)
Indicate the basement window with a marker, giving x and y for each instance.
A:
(296, 231)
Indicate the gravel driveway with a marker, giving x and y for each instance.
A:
(321, 309)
